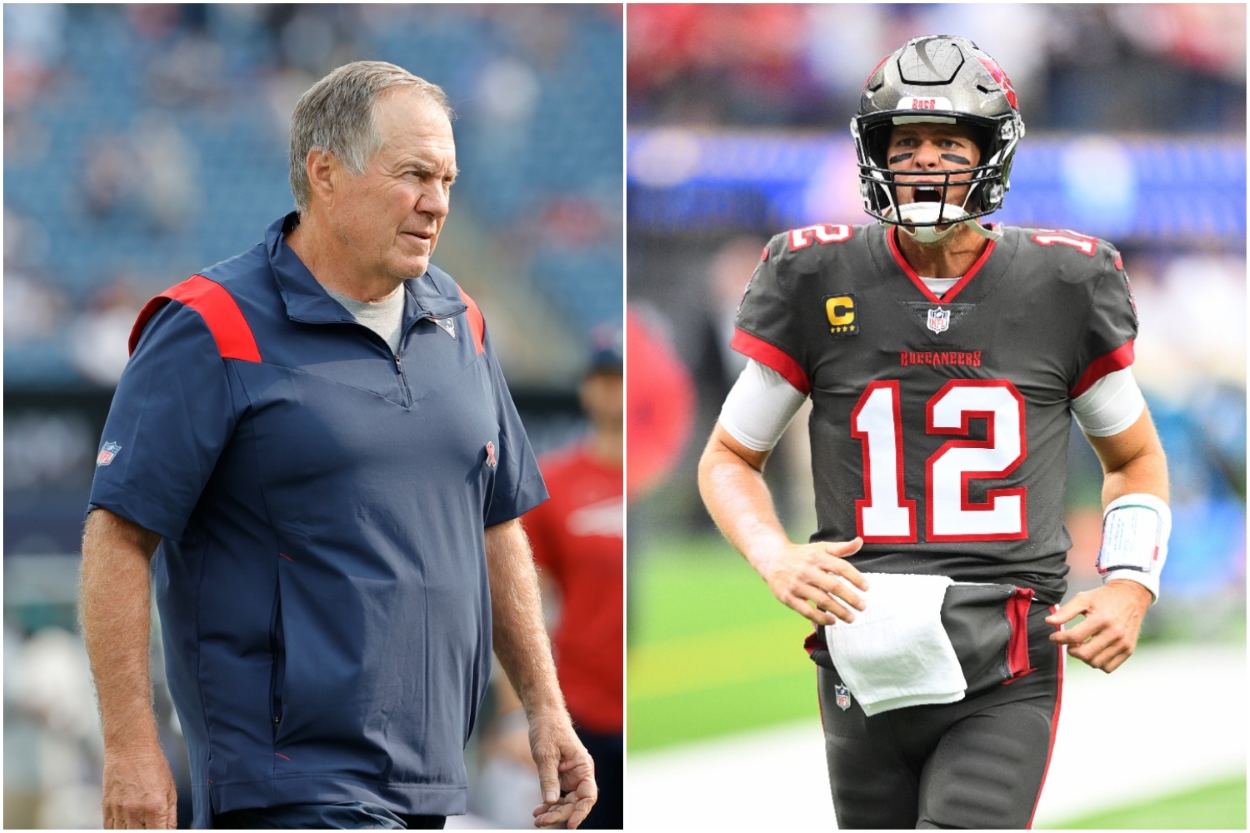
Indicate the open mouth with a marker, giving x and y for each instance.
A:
(926, 193)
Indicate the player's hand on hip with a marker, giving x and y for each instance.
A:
(566, 773)
(139, 790)
(816, 580)
(1108, 634)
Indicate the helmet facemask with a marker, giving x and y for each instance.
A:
(965, 87)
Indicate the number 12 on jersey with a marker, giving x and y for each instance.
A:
(886, 516)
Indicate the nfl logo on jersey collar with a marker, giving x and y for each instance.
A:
(939, 320)
(842, 696)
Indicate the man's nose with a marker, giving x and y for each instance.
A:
(927, 155)
(435, 199)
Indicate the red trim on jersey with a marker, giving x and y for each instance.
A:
(948, 296)
(218, 309)
(476, 322)
(1118, 359)
(772, 356)
(1018, 646)
(1054, 725)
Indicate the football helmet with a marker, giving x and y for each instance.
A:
(947, 80)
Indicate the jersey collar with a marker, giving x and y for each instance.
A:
(892, 238)
(433, 295)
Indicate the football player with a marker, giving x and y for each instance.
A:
(945, 357)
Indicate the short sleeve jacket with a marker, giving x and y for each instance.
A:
(940, 426)
(321, 581)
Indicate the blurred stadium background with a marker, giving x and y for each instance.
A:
(144, 142)
(738, 129)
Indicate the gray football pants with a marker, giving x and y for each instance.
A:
(978, 763)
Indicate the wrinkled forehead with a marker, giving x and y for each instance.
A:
(408, 113)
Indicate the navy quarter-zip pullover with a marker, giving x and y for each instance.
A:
(321, 579)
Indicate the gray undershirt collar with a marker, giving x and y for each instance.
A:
(383, 317)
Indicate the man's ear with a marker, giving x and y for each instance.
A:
(321, 166)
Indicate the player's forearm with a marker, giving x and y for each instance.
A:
(740, 503)
(520, 636)
(1133, 462)
(115, 610)
(1144, 474)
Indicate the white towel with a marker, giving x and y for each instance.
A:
(896, 653)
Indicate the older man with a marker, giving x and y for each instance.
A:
(317, 443)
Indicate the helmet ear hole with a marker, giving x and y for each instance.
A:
(983, 137)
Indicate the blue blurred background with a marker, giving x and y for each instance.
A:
(145, 142)
(738, 129)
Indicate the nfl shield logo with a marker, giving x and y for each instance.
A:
(842, 696)
(939, 319)
(107, 453)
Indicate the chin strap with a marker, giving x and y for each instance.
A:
(929, 234)
(985, 231)
(932, 212)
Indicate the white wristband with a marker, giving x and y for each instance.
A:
(1135, 530)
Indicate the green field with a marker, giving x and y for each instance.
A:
(1219, 806)
(712, 653)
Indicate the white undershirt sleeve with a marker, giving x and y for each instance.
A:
(1112, 404)
(762, 403)
(760, 406)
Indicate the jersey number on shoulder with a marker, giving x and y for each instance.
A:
(886, 516)
(801, 238)
(1057, 237)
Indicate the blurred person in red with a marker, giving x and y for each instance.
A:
(578, 544)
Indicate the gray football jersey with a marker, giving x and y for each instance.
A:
(940, 427)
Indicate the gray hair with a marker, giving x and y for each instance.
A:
(336, 115)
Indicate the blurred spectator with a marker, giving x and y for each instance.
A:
(34, 41)
(49, 688)
(99, 338)
(111, 179)
(167, 171)
(661, 404)
(33, 308)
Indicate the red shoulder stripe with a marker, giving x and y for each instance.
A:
(476, 322)
(220, 312)
(770, 356)
(1117, 359)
